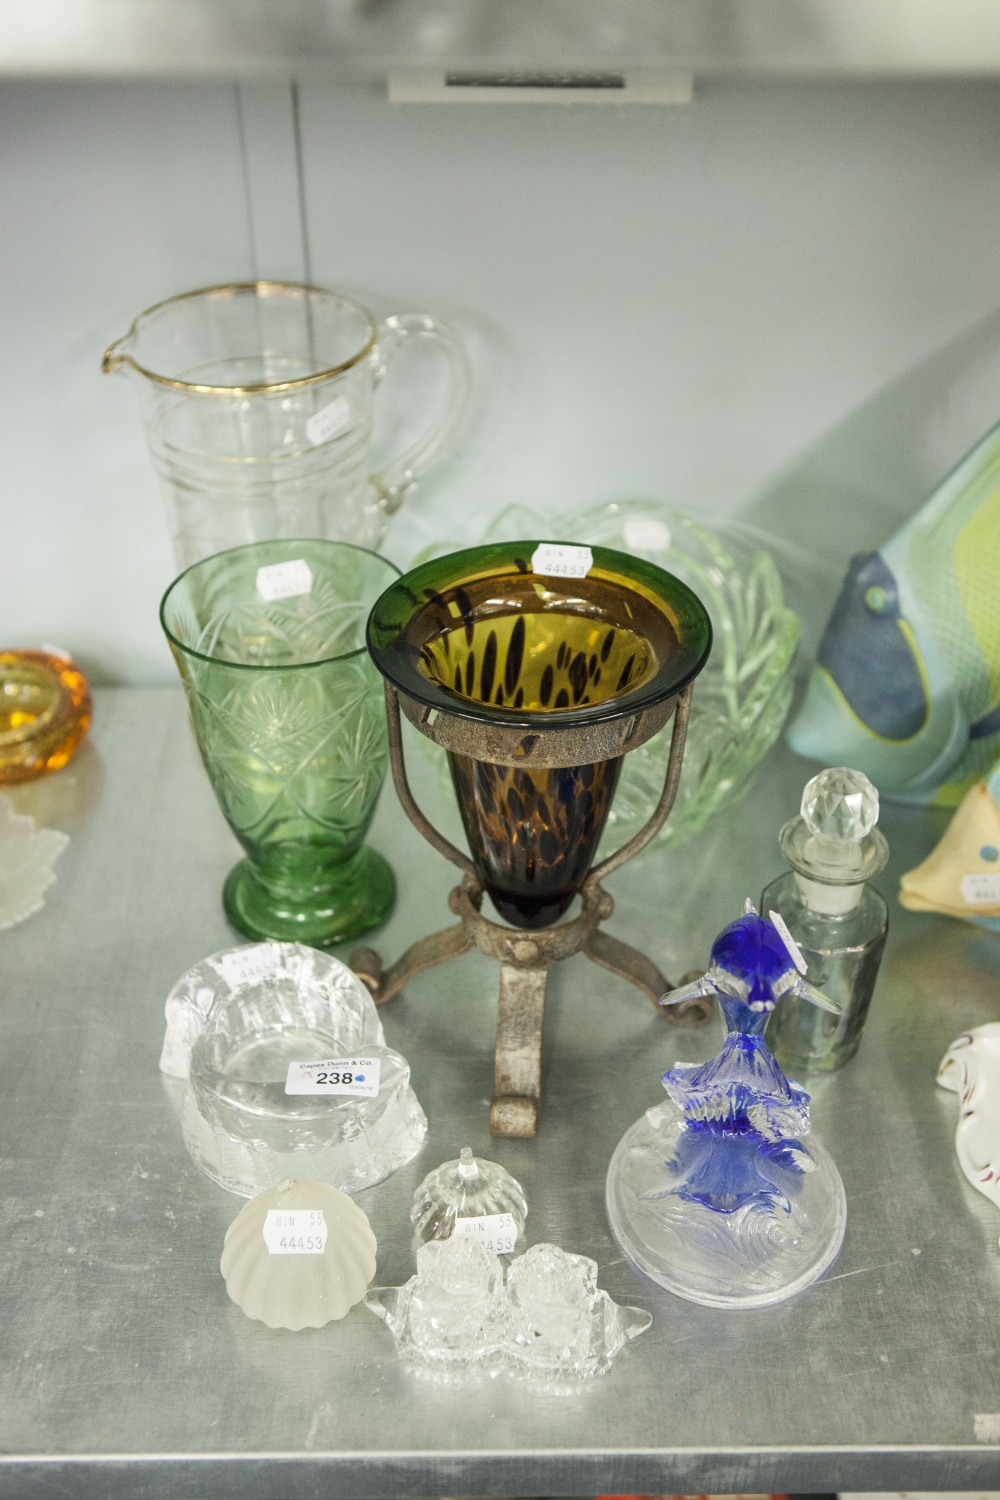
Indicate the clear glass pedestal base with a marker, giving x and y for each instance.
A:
(774, 1246)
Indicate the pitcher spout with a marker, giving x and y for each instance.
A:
(115, 356)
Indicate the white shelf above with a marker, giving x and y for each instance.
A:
(365, 38)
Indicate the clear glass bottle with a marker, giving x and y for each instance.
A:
(838, 921)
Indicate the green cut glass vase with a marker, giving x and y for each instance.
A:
(288, 715)
(537, 684)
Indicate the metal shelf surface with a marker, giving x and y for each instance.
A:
(125, 1370)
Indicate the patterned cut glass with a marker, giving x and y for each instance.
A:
(287, 712)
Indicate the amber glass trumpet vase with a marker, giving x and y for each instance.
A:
(537, 666)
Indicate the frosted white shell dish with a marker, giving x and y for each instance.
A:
(971, 1069)
(235, 1024)
(298, 1287)
(27, 855)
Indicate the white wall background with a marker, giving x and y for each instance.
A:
(779, 302)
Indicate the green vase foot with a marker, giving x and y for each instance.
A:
(363, 896)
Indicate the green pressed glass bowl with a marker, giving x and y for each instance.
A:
(540, 665)
(743, 695)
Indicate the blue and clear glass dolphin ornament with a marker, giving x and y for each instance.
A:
(751, 964)
(720, 1193)
(743, 1115)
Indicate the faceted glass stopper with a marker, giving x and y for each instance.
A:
(467, 1188)
(834, 840)
(840, 804)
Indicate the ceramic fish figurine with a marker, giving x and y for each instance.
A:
(961, 876)
(906, 684)
(971, 1069)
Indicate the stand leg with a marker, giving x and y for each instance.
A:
(517, 1077)
(628, 963)
(425, 953)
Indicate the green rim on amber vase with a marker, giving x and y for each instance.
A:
(480, 637)
(430, 635)
(288, 716)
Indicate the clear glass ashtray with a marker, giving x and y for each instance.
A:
(286, 1072)
(743, 693)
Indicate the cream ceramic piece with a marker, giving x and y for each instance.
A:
(27, 855)
(971, 1069)
(961, 876)
(299, 1289)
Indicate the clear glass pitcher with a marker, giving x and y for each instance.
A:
(258, 404)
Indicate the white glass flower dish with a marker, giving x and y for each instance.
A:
(27, 855)
(971, 1069)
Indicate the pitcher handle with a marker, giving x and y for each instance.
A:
(401, 473)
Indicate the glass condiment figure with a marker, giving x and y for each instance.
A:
(549, 1322)
(838, 921)
(450, 1316)
(717, 1194)
(559, 1322)
(467, 1188)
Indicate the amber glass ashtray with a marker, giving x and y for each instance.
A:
(45, 711)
